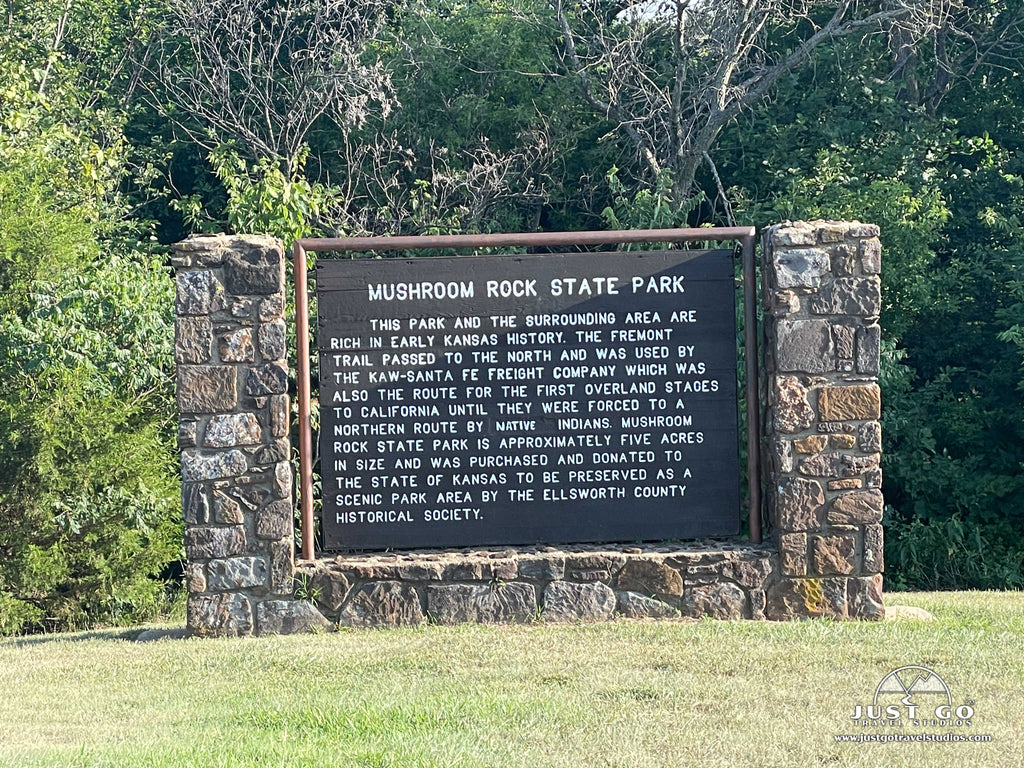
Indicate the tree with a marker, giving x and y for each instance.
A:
(843, 141)
(672, 74)
(265, 73)
(89, 501)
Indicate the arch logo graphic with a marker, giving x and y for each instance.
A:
(913, 696)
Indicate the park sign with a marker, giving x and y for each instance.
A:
(488, 400)
(821, 407)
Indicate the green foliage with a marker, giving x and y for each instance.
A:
(948, 202)
(88, 495)
(947, 554)
(261, 198)
(88, 491)
(647, 208)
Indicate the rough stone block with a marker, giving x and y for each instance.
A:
(796, 233)
(277, 451)
(541, 567)
(716, 601)
(595, 561)
(861, 296)
(187, 434)
(480, 569)
(873, 477)
(279, 412)
(874, 549)
(251, 497)
(193, 340)
(227, 614)
(282, 566)
(842, 441)
(871, 256)
(207, 389)
(282, 488)
(227, 510)
(858, 508)
(502, 603)
(197, 293)
(792, 411)
(800, 267)
(850, 403)
(869, 340)
(195, 503)
(863, 230)
(843, 335)
(382, 604)
(635, 606)
(195, 578)
(834, 593)
(782, 303)
(800, 504)
(275, 520)
(845, 484)
(793, 554)
(237, 573)
(869, 437)
(272, 308)
(202, 250)
(748, 571)
(829, 231)
(370, 571)
(329, 588)
(272, 341)
(255, 271)
(805, 346)
(844, 259)
(833, 555)
(758, 599)
(236, 346)
(811, 444)
(420, 570)
(268, 379)
(650, 577)
(565, 602)
(783, 455)
(241, 308)
(199, 250)
(209, 543)
(197, 467)
(229, 430)
(865, 598)
(795, 599)
(289, 617)
(589, 576)
(836, 464)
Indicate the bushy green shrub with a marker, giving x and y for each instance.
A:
(88, 492)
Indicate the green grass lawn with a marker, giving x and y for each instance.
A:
(619, 694)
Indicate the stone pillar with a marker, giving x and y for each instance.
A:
(232, 377)
(823, 439)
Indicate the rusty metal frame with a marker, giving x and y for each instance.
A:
(528, 239)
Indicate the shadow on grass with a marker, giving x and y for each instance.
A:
(129, 634)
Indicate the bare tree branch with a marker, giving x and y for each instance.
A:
(673, 73)
(264, 72)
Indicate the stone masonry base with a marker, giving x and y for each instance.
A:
(577, 583)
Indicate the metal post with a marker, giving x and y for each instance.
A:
(303, 384)
(753, 400)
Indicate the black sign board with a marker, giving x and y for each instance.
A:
(483, 400)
